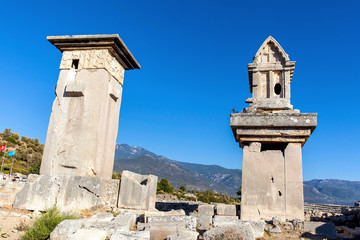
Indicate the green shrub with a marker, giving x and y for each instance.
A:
(11, 139)
(45, 224)
(165, 186)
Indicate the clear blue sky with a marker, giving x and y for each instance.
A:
(194, 57)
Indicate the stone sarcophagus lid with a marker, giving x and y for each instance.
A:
(84, 121)
(271, 134)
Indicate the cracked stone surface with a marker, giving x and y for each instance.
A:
(69, 193)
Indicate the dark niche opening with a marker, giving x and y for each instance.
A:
(277, 89)
(75, 63)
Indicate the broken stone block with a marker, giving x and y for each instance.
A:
(70, 193)
(243, 231)
(179, 212)
(137, 191)
(66, 228)
(226, 217)
(130, 235)
(102, 217)
(183, 234)
(186, 221)
(257, 227)
(159, 230)
(275, 229)
(123, 222)
(206, 209)
(225, 209)
(88, 234)
(87, 192)
(39, 192)
(326, 229)
(203, 222)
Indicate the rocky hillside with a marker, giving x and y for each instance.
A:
(214, 177)
(192, 176)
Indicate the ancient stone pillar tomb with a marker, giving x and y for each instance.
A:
(271, 134)
(83, 125)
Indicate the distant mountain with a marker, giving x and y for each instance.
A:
(191, 175)
(331, 191)
(219, 179)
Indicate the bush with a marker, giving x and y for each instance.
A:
(45, 224)
(165, 186)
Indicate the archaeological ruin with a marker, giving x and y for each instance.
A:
(78, 158)
(84, 121)
(271, 134)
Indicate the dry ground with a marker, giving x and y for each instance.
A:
(11, 219)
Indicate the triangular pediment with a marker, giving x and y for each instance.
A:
(271, 52)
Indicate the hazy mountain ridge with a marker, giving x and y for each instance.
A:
(214, 177)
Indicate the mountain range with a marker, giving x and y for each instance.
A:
(219, 179)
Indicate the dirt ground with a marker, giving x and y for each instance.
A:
(292, 235)
(11, 221)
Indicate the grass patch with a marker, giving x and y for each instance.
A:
(45, 224)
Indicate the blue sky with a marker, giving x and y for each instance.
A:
(194, 57)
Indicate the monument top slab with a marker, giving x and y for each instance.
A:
(112, 42)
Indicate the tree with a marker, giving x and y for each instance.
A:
(7, 132)
(239, 192)
(165, 186)
(182, 188)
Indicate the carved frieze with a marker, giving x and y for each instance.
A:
(93, 59)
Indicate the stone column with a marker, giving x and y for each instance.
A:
(294, 207)
(83, 125)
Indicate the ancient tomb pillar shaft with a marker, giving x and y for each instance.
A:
(271, 134)
(83, 125)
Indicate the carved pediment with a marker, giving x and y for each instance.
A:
(271, 52)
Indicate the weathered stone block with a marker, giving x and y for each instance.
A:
(225, 209)
(243, 232)
(39, 192)
(186, 221)
(179, 212)
(122, 222)
(206, 209)
(65, 229)
(203, 222)
(159, 230)
(70, 193)
(137, 191)
(257, 227)
(88, 234)
(130, 235)
(326, 229)
(183, 234)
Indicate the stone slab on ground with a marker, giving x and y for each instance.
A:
(187, 221)
(137, 191)
(206, 209)
(159, 230)
(257, 227)
(88, 234)
(179, 212)
(183, 234)
(66, 228)
(130, 235)
(243, 232)
(70, 193)
(123, 222)
(226, 217)
(326, 229)
(225, 209)
(203, 222)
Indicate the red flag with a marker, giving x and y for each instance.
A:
(2, 148)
